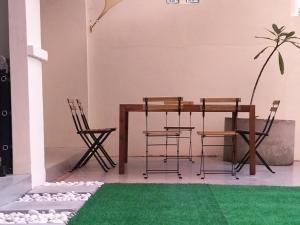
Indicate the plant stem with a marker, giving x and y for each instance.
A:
(261, 71)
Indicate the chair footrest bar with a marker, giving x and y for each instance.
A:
(162, 171)
(181, 137)
(179, 157)
(217, 145)
(160, 144)
(218, 172)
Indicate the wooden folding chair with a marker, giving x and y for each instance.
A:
(205, 134)
(260, 136)
(93, 137)
(86, 135)
(152, 104)
(185, 133)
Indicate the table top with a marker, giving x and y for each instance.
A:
(190, 108)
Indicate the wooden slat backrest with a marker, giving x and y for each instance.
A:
(271, 117)
(275, 106)
(176, 102)
(220, 100)
(162, 99)
(206, 102)
(162, 107)
(273, 109)
(72, 104)
(159, 103)
(79, 104)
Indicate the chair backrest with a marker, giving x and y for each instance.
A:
(271, 117)
(230, 102)
(164, 104)
(83, 117)
(183, 103)
(75, 116)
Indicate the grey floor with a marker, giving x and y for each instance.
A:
(284, 176)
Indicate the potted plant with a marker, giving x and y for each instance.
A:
(278, 37)
(275, 154)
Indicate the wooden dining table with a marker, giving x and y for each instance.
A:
(125, 109)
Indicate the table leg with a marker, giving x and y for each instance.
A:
(234, 127)
(252, 140)
(122, 139)
(126, 136)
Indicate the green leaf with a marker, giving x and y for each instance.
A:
(271, 32)
(294, 37)
(290, 34)
(283, 34)
(276, 29)
(295, 44)
(265, 38)
(282, 28)
(281, 64)
(261, 52)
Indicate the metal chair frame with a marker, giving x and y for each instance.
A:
(93, 136)
(189, 129)
(93, 144)
(218, 134)
(260, 137)
(154, 134)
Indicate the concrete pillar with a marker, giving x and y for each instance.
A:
(26, 89)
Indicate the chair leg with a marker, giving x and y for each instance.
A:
(102, 149)
(109, 159)
(98, 157)
(202, 161)
(77, 165)
(190, 149)
(264, 162)
(93, 152)
(234, 172)
(100, 162)
(178, 172)
(87, 158)
(261, 159)
(242, 162)
(146, 172)
(166, 157)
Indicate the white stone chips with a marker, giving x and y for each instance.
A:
(34, 216)
(57, 197)
(51, 216)
(77, 183)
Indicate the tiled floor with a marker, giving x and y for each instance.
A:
(284, 176)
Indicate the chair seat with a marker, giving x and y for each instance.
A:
(97, 131)
(217, 133)
(247, 132)
(161, 133)
(180, 128)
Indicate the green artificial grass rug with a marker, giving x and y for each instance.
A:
(193, 204)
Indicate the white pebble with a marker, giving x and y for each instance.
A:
(33, 216)
(33, 212)
(52, 211)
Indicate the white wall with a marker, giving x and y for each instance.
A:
(65, 74)
(4, 46)
(26, 89)
(149, 48)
